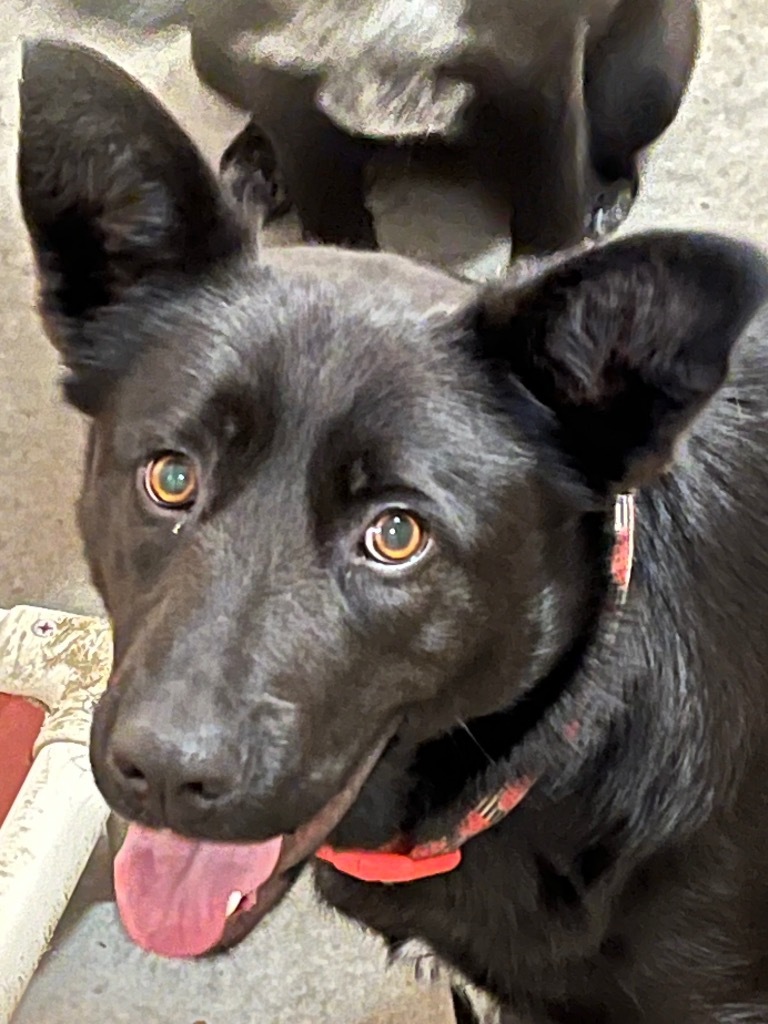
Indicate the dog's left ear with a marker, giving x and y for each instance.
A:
(626, 344)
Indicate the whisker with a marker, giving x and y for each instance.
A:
(475, 740)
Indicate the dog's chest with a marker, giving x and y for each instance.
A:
(321, 34)
(376, 61)
(380, 63)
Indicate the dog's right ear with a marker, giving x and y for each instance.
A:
(114, 196)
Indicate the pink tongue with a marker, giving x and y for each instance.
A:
(172, 892)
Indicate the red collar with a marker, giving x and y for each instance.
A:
(398, 864)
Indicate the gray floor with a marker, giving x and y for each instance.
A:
(711, 170)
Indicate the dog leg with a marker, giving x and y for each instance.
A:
(320, 168)
(324, 175)
(538, 134)
(635, 77)
(324, 181)
(548, 183)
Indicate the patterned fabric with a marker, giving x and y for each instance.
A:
(60, 662)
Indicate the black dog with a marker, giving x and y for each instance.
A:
(555, 100)
(353, 520)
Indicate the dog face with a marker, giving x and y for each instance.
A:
(336, 504)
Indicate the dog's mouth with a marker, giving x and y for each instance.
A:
(181, 897)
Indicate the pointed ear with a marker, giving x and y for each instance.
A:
(626, 344)
(113, 192)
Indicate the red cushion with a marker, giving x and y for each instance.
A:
(20, 722)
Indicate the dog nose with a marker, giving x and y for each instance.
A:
(175, 784)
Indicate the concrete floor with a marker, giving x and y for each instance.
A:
(304, 965)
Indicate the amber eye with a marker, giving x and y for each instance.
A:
(171, 480)
(395, 538)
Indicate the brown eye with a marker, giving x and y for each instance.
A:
(395, 538)
(171, 481)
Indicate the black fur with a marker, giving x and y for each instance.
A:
(552, 103)
(259, 655)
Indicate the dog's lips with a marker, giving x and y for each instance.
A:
(174, 893)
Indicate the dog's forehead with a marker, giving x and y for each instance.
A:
(319, 373)
(304, 347)
(317, 388)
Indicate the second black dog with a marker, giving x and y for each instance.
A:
(555, 101)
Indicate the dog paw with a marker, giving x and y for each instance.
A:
(249, 172)
(611, 208)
